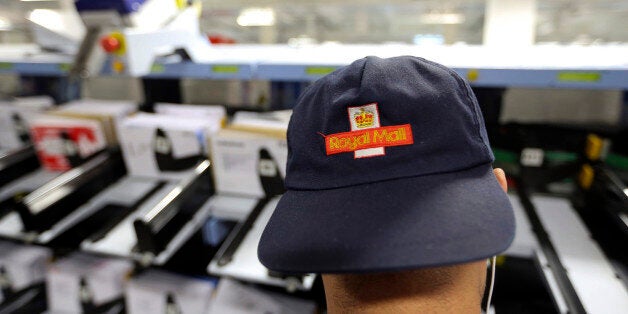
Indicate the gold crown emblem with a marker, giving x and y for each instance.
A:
(364, 118)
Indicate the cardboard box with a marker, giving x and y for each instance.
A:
(156, 291)
(216, 114)
(63, 143)
(273, 122)
(164, 147)
(82, 280)
(249, 157)
(108, 112)
(22, 266)
(14, 119)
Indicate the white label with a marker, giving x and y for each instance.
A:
(532, 157)
(162, 145)
(267, 168)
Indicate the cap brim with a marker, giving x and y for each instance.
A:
(424, 221)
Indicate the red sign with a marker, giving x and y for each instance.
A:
(394, 135)
(61, 148)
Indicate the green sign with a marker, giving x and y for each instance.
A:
(6, 66)
(319, 70)
(617, 161)
(579, 76)
(226, 69)
(561, 156)
(157, 68)
(505, 156)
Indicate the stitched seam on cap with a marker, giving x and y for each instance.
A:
(366, 59)
(476, 107)
(469, 99)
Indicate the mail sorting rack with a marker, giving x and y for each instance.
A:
(165, 227)
(47, 205)
(579, 275)
(237, 257)
(154, 225)
(15, 163)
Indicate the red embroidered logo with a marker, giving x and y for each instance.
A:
(367, 138)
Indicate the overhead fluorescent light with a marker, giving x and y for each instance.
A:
(442, 18)
(5, 24)
(256, 17)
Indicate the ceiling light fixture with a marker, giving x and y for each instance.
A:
(256, 17)
(442, 18)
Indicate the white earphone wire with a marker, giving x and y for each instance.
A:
(490, 289)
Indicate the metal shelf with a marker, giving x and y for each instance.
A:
(542, 78)
(218, 71)
(604, 67)
(35, 68)
(537, 67)
(30, 60)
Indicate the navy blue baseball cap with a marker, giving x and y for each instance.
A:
(389, 168)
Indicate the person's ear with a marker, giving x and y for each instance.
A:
(500, 175)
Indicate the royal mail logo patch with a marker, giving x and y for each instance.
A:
(364, 118)
(367, 137)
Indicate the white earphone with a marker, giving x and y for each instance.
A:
(490, 289)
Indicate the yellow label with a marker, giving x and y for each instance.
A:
(227, 69)
(586, 176)
(181, 4)
(579, 76)
(65, 67)
(157, 68)
(6, 66)
(117, 66)
(594, 147)
(473, 75)
(319, 70)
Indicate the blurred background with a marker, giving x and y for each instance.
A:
(581, 22)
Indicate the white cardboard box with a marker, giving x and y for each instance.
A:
(108, 112)
(272, 120)
(214, 113)
(248, 163)
(98, 279)
(154, 291)
(23, 265)
(164, 147)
